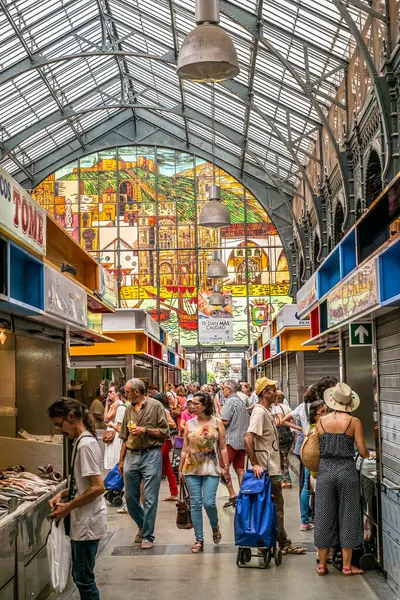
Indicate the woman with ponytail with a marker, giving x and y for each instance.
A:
(82, 503)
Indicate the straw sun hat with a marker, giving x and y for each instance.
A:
(342, 398)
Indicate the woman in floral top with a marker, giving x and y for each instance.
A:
(204, 436)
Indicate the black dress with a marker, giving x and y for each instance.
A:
(338, 518)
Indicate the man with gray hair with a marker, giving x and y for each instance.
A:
(236, 420)
(143, 432)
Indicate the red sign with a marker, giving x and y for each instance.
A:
(20, 215)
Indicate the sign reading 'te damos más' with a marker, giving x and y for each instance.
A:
(20, 215)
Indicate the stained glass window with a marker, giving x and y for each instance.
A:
(136, 210)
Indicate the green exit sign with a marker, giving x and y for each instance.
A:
(360, 334)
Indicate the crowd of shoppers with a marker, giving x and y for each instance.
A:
(219, 427)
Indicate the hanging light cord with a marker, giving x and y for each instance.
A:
(213, 129)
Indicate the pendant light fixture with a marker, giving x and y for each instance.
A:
(216, 298)
(207, 53)
(217, 269)
(214, 212)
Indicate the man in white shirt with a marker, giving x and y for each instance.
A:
(262, 445)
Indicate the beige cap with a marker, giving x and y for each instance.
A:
(262, 383)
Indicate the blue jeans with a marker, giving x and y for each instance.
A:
(305, 498)
(83, 559)
(203, 492)
(146, 466)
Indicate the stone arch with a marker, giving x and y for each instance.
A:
(359, 209)
(373, 178)
(316, 250)
(338, 222)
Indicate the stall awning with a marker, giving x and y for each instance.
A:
(96, 305)
(85, 337)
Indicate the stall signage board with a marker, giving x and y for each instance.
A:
(152, 327)
(108, 287)
(273, 347)
(288, 317)
(357, 294)
(307, 296)
(20, 215)
(165, 354)
(360, 334)
(64, 298)
(215, 325)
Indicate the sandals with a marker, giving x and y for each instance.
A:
(216, 535)
(171, 499)
(322, 570)
(348, 572)
(292, 549)
(197, 547)
(231, 502)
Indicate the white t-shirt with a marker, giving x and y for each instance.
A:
(262, 424)
(119, 417)
(88, 522)
(299, 413)
(281, 409)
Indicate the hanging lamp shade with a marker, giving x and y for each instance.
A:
(217, 269)
(207, 53)
(214, 213)
(216, 298)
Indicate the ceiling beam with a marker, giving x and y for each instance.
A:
(39, 70)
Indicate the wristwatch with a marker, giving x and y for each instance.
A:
(147, 431)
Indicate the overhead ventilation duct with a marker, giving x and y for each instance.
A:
(207, 53)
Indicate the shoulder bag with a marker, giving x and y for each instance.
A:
(183, 516)
(108, 436)
(285, 434)
(310, 452)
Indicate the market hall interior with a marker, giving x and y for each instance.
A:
(199, 281)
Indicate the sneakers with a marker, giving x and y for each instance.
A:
(139, 537)
(306, 527)
(147, 545)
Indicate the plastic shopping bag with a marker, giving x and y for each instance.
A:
(59, 555)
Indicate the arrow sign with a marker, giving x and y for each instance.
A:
(360, 334)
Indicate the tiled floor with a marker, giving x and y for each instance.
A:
(171, 572)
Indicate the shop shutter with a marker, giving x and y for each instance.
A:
(292, 384)
(388, 357)
(276, 371)
(319, 364)
(284, 359)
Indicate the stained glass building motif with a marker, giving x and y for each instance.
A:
(136, 210)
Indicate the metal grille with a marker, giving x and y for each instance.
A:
(292, 383)
(388, 355)
(317, 365)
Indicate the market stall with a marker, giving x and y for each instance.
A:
(279, 354)
(141, 349)
(352, 300)
(47, 283)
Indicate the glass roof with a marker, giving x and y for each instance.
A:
(69, 65)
